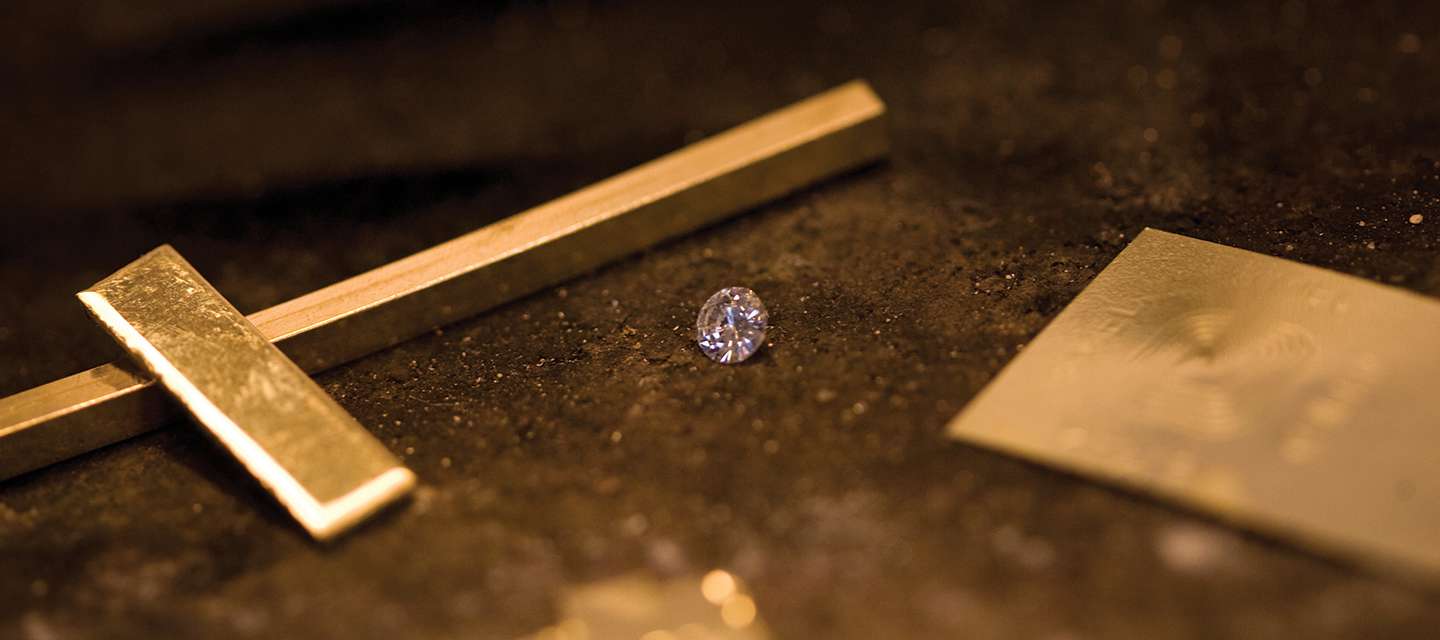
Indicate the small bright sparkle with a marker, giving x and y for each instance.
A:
(731, 325)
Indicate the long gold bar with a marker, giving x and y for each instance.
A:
(703, 183)
(296, 440)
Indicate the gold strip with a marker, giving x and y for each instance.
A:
(321, 464)
(1282, 397)
(703, 183)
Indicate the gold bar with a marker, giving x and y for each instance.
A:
(296, 440)
(1285, 398)
(703, 183)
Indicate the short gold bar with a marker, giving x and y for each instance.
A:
(296, 440)
(708, 181)
(1282, 397)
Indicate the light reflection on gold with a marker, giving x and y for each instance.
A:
(738, 612)
(710, 607)
(717, 586)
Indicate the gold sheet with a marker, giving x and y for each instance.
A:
(1290, 399)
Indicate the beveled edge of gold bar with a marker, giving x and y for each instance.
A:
(323, 520)
(836, 130)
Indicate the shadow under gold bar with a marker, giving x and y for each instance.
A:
(327, 470)
(710, 180)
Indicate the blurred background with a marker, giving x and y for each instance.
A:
(578, 454)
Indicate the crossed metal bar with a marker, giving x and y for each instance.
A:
(700, 184)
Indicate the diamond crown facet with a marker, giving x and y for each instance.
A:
(731, 325)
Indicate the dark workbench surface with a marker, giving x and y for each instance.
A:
(579, 435)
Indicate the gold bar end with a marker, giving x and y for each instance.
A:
(288, 433)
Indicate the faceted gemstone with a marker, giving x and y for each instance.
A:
(731, 325)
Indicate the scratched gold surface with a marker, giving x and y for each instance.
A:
(297, 441)
(1287, 398)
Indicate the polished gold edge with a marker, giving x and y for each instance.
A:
(1362, 552)
(109, 403)
(322, 520)
(340, 514)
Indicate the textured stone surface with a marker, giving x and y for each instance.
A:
(578, 434)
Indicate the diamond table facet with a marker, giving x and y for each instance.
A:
(731, 325)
